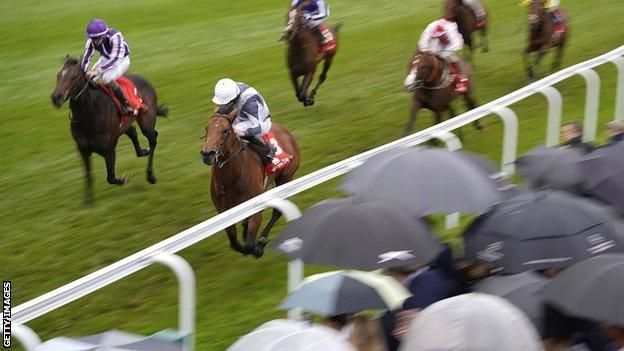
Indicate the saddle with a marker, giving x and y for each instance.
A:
(329, 43)
(559, 22)
(132, 94)
(280, 158)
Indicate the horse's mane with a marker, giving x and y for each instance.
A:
(71, 60)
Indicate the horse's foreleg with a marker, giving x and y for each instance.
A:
(556, 65)
(250, 234)
(326, 65)
(86, 160)
(295, 80)
(471, 104)
(132, 134)
(412, 118)
(234, 244)
(485, 46)
(526, 58)
(109, 158)
(305, 85)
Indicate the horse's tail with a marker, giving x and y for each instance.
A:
(162, 110)
(337, 27)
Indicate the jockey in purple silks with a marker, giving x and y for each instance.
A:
(114, 58)
(314, 13)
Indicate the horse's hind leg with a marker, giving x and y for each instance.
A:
(485, 46)
(471, 104)
(110, 158)
(132, 134)
(305, 85)
(86, 160)
(147, 128)
(556, 65)
(322, 77)
(250, 231)
(275, 215)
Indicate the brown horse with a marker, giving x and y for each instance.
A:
(95, 121)
(238, 175)
(303, 56)
(431, 81)
(456, 10)
(542, 37)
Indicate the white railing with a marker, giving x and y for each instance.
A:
(276, 198)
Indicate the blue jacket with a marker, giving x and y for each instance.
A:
(317, 9)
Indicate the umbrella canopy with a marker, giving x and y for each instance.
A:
(524, 290)
(604, 175)
(363, 235)
(593, 289)
(541, 230)
(471, 322)
(113, 340)
(553, 168)
(291, 335)
(342, 292)
(424, 181)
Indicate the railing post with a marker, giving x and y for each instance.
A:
(295, 267)
(590, 122)
(554, 114)
(186, 282)
(452, 143)
(26, 336)
(619, 90)
(510, 139)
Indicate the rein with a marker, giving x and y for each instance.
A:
(219, 151)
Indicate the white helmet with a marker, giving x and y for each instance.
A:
(226, 90)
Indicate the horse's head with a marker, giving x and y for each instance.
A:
(421, 69)
(537, 13)
(293, 23)
(219, 136)
(70, 79)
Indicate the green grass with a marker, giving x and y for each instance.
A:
(49, 239)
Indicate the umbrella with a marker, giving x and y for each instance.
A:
(541, 230)
(593, 289)
(604, 174)
(343, 292)
(523, 290)
(471, 322)
(364, 235)
(554, 168)
(424, 181)
(113, 340)
(291, 335)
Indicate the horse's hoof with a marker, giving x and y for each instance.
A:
(151, 179)
(143, 153)
(125, 178)
(308, 102)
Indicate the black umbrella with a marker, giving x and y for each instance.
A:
(553, 168)
(604, 175)
(541, 230)
(364, 235)
(523, 290)
(424, 181)
(593, 289)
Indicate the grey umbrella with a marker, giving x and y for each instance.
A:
(604, 175)
(523, 290)
(358, 234)
(424, 181)
(553, 168)
(593, 289)
(112, 340)
(540, 230)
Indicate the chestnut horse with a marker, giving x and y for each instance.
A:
(238, 175)
(542, 37)
(303, 56)
(431, 81)
(95, 120)
(456, 10)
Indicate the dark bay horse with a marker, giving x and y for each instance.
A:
(431, 82)
(464, 16)
(303, 56)
(95, 121)
(238, 175)
(543, 37)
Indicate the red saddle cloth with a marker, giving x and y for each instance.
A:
(330, 42)
(559, 21)
(281, 157)
(132, 94)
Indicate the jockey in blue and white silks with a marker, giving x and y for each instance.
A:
(114, 57)
(314, 12)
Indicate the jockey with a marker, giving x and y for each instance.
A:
(253, 118)
(114, 58)
(442, 38)
(478, 9)
(553, 8)
(314, 12)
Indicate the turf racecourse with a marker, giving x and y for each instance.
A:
(49, 238)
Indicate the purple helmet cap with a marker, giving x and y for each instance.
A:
(96, 28)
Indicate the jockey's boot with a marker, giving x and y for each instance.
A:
(125, 105)
(480, 22)
(263, 149)
(319, 36)
(461, 82)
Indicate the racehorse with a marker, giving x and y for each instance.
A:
(304, 54)
(96, 121)
(431, 81)
(238, 175)
(542, 36)
(456, 10)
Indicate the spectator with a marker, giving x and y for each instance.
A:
(367, 334)
(615, 334)
(572, 134)
(616, 132)
(562, 332)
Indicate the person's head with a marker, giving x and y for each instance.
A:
(367, 334)
(615, 127)
(337, 322)
(571, 130)
(440, 34)
(96, 30)
(615, 334)
(226, 92)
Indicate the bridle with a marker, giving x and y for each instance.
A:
(67, 94)
(219, 150)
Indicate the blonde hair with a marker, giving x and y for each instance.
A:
(367, 334)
